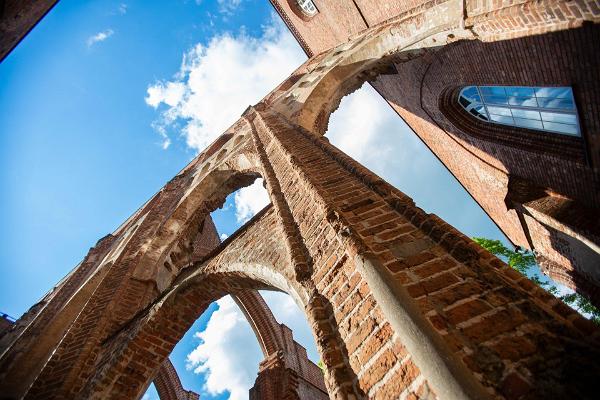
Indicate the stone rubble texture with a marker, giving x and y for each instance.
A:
(401, 304)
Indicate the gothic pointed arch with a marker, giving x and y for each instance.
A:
(284, 357)
(401, 304)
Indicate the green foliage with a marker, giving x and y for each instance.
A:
(524, 261)
(321, 365)
(519, 260)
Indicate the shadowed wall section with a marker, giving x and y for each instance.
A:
(431, 49)
(400, 303)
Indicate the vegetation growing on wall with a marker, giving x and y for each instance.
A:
(524, 262)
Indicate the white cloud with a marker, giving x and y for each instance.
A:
(250, 200)
(122, 8)
(224, 236)
(99, 37)
(166, 143)
(228, 353)
(218, 81)
(228, 6)
(366, 128)
(170, 93)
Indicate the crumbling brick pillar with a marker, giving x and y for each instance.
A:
(402, 302)
(169, 386)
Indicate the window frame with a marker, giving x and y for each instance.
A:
(455, 120)
(300, 5)
(487, 118)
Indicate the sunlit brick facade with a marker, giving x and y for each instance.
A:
(400, 303)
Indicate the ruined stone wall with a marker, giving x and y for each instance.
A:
(522, 43)
(400, 303)
(485, 157)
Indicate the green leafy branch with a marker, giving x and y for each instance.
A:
(524, 262)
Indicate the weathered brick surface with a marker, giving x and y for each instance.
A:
(348, 246)
(522, 43)
(485, 158)
(17, 18)
(169, 386)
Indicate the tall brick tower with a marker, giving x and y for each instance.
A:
(401, 304)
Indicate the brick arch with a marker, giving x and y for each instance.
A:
(275, 340)
(144, 256)
(343, 69)
(425, 29)
(42, 335)
(131, 357)
(262, 321)
(277, 346)
(417, 58)
(399, 301)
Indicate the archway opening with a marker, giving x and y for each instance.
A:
(219, 356)
(370, 131)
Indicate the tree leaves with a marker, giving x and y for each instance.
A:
(524, 262)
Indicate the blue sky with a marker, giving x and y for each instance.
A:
(103, 102)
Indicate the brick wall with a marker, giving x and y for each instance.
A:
(525, 43)
(17, 18)
(400, 303)
(333, 232)
(169, 386)
(483, 157)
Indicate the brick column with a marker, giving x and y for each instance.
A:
(169, 386)
(402, 303)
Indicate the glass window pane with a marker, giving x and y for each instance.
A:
(520, 91)
(565, 104)
(562, 92)
(526, 107)
(495, 99)
(530, 114)
(307, 6)
(469, 91)
(559, 117)
(464, 102)
(471, 94)
(492, 90)
(523, 101)
(479, 112)
(502, 119)
(562, 128)
(499, 110)
(528, 123)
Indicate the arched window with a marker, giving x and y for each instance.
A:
(307, 7)
(550, 109)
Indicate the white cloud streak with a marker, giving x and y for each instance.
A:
(250, 200)
(228, 354)
(228, 7)
(216, 82)
(99, 37)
